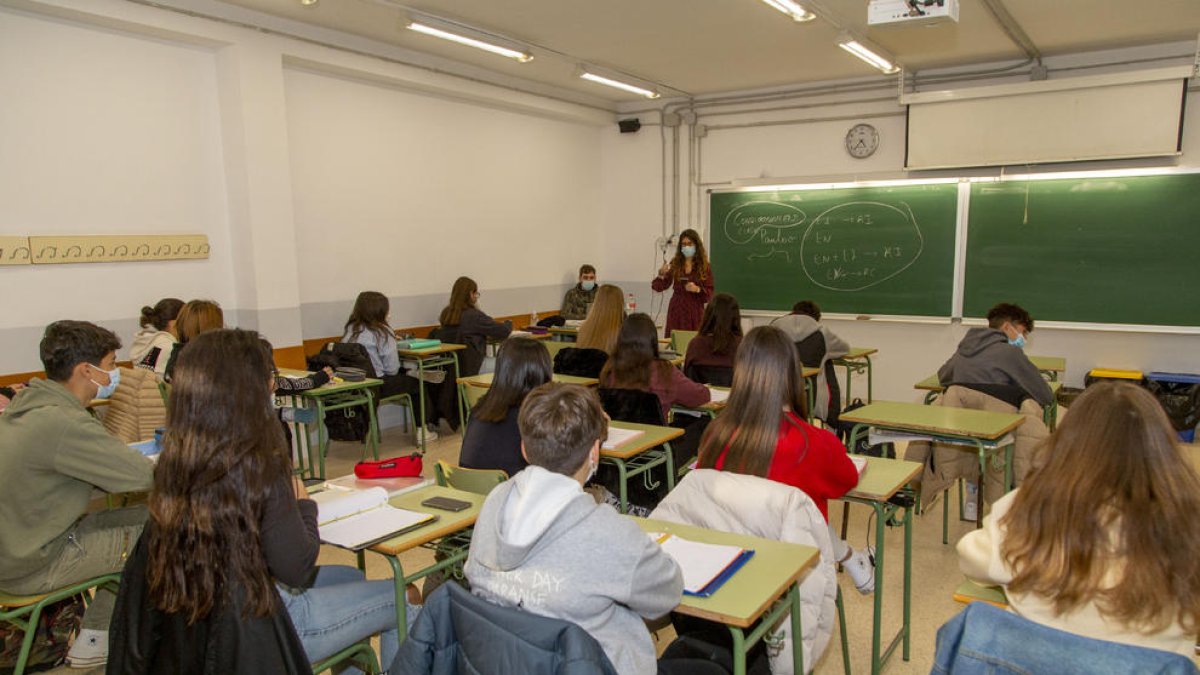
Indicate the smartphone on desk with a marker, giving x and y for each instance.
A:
(446, 504)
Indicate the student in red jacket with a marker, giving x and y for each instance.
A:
(762, 432)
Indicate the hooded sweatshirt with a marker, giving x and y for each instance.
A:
(986, 362)
(147, 339)
(800, 326)
(52, 454)
(542, 544)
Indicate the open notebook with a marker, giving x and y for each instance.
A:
(355, 519)
(718, 395)
(618, 437)
(705, 567)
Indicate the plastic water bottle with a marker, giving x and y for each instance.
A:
(630, 303)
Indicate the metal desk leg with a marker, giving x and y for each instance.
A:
(401, 582)
(670, 466)
(372, 424)
(322, 441)
(905, 652)
(739, 650)
(622, 482)
(870, 381)
(419, 429)
(880, 549)
(797, 634)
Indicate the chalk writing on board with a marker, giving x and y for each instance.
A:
(769, 254)
(765, 221)
(856, 245)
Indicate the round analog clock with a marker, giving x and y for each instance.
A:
(861, 141)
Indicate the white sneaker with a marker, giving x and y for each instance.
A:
(89, 650)
(424, 436)
(970, 507)
(860, 565)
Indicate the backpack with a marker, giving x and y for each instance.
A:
(350, 360)
(59, 621)
(864, 446)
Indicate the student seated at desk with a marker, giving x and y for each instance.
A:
(153, 344)
(717, 341)
(543, 544)
(493, 439)
(597, 337)
(581, 296)
(762, 432)
(53, 455)
(473, 326)
(231, 525)
(991, 373)
(194, 318)
(1103, 540)
(817, 346)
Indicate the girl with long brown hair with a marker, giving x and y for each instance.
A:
(229, 522)
(492, 439)
(1102, 540)
(691, 279)
(717, 342)
(599, 330)
(635, 365)
(473, 325)
(762, 432)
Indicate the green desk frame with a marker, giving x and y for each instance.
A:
(428, 359)
(329, 398)
(855, 362)
(631, 464)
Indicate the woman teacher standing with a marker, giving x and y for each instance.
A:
(690, 276)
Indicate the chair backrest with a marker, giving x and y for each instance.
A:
(680, 340)
(554, 346)
(470, 360)
(811, 349)
(721, 376)
(479, 481)
(472, 393)
(631, 405)
(983, 638)
(580, 362)
(501, 639)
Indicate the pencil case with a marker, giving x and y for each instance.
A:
(408, 465)
(418, 343)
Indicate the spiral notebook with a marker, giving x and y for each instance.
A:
(356, 519)
(705, 567)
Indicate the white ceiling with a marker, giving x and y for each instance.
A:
(702, 47)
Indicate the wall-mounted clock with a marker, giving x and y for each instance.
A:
(861, 141)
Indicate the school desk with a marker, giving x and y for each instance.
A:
(472, 387)
(857, 360)
(882, 479)
(711, 408)
(449, 534)
(1050, 366)
(330, 397)
(933, 388)
(968, 591)
(979, 429)
(427, 359)
(564, 333)
(638, 455)
(773, 573)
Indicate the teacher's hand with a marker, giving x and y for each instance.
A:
(691, 287)
(662, 271)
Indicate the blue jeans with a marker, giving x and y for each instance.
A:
(342, 608)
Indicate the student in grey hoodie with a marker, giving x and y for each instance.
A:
(989, 371)
(817, 346)
(542, 544)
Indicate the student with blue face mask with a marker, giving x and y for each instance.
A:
(581, 296)
(53, 455)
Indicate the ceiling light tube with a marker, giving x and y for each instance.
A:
(870, 55)
(599, 79)
(792, 9)
(424, 27)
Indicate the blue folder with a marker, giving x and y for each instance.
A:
(724, 576)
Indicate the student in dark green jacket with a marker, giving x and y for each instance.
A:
(53, 454)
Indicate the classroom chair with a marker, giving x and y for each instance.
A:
(631, 405)
(24, 611)
(580, 362)
(471, 393)
(680, 340)
(553, 346)
(479, 481)
(721, 376)
(164, 390)
(359, 654)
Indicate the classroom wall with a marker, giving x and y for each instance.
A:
(316, 173)
(800, 139)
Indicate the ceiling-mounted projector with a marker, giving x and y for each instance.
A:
(927, 12)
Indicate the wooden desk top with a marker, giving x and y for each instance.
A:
(1055, 364)
(857, 353)
(654, 436)
(329, 387)
(448, 522)
(711, 406)
(444, 348)
(936, 420)
(884, 477)
(485, 380)
(805, 371)
(931, 384)
(751, 591)
(564, 330)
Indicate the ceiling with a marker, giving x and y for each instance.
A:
(699, 47)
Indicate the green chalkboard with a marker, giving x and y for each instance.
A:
(862, 250)
(1096, 250)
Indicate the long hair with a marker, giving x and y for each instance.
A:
(196, 317)
(370, 314)
(722, 322)
(522, 365)
(766, 377)
(603, 322)
(223, 458)
(161, 314)
(635, 355)
(699, 261)
(1111, 517)
(460, 301)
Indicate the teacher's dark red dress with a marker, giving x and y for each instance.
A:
(686, 308)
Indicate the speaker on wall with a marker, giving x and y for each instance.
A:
(629, 126)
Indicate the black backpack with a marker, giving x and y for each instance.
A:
(347, 424)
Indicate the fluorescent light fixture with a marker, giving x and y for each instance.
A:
(510, 52)
(792, 9)
(868, 54)
(634, 89)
